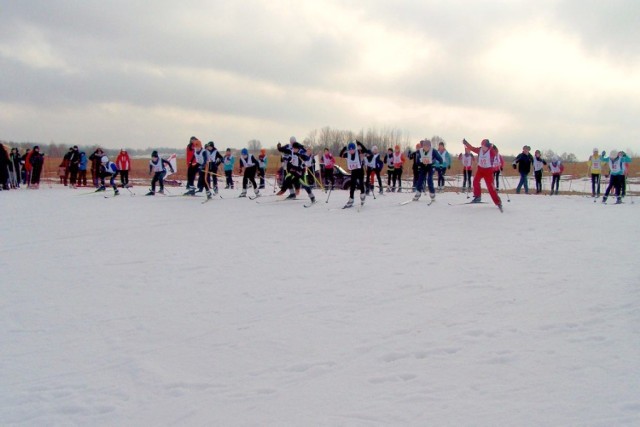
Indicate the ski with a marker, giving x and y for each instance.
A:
(467, 203)
(310, 204)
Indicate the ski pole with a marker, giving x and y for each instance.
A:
(329, 195)
(504, 183)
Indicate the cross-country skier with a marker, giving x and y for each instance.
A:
(211, 171)
(228, 162)
(249, 164)
(157, 167)
(398, 162)
(427, 158)
(616, 161)
(198, 163)
(538, 164)
(467, 159)
(328, 162)
(374, 166)
(486, 154)
(355, 154)
(556, 168)
(388, 160)
(415, 166)
(595, 170)
(262, 167)
(442, 166)
(294, 168)
(110, 170)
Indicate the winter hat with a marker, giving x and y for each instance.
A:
(263, 151)
(614, 153)
(351, 146)
(292, 140)
(426, 143)
(210, 144)
(595, 150)
(244, 152)
(486, 143)
(374, 148)
(555, 158)
(104, 159)
(154, 154)
(397, 147)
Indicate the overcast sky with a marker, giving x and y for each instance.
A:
(561, 75)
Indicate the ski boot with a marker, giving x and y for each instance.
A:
(349, 204)
(291, 196)
(243, 194)
(362, 198)
(208, 195)
(476, 200)
(161, 191)
(433, 196)
(151, 193)
(417, 196)
(101, 188)
(116, 192)
(618, 200)
(215, 190)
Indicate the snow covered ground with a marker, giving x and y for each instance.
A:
(163, 311)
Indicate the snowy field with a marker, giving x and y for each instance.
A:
(161, 311)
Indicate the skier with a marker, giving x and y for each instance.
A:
(355, 156)
(616, 160)
(228, 160)
(157, 167)
(427, 158)
(388, 160)
(486, 154)
(415, 166)
(262, 167)
(595, 170)
(398, 162)
(467, 160)
(198, 163)
(538, 164)
(523, 163)
(556, 168)
(374, 166)
(294, 170)
(443, 165)
(108, 169)
(328, 162)
(211, 171)
(123, 162)
(249, 163)
(498, 167)
(309, 176)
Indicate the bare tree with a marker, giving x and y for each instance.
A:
(254, 145)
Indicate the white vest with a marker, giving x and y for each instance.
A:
(397, 159)
(537, 164)
(374, 159)
(248, 162)
(484, 159)
(615, 166)
(596, 164)
(467, 160)
(199, 157)
(555, 169)
(355, 163)
(157, 167)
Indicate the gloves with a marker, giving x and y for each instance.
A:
(604, 153)
(501, 169)
(514, 165)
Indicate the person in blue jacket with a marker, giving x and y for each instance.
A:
(443, 165)
(427, 158)
(228, 161)
(82, 169)
(616, 160)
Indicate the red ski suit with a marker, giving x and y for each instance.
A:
(485, 173)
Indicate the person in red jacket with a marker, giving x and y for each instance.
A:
(192, 164)
(486, 157)
(123, 162)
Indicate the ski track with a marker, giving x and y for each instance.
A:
(159, 311)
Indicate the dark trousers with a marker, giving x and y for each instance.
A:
(595, 184)
(159, 178)
(261, 175)
(73, 172)
(466, 178)
(124, 177)
(357, 181)
(249, 176)
(496, 177)
(82, 177)
(425, 173)
(112, 179)
(615, 182)
(555, 183)
(228, 174)
(372, 174)
(441, 173)
(191, 174)
(390, 174)
(328, 177)
(397, 178)
(538, 175)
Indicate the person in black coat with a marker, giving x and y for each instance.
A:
(523, 163)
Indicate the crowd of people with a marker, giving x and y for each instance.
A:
(298, 169)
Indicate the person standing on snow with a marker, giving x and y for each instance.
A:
(262, 167)
(388, 160)
(157, 167)
(355, 154)
(467, 160)
(538, 164)
(192, 165)
(200, 158)
(426, 158)
(617, 160)
(123, 162)
(415, 166)
(374, 166)
(595, 170)
(215, 158)
(249, 164)
(37, 164)
(523, 163)
(556, 168)
(442, 166)
(398, 162)
(82, 169)
(329, 162)
(486, 155)
(228, 162)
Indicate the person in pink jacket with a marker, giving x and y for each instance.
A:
(123, 162)
(486, 157)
